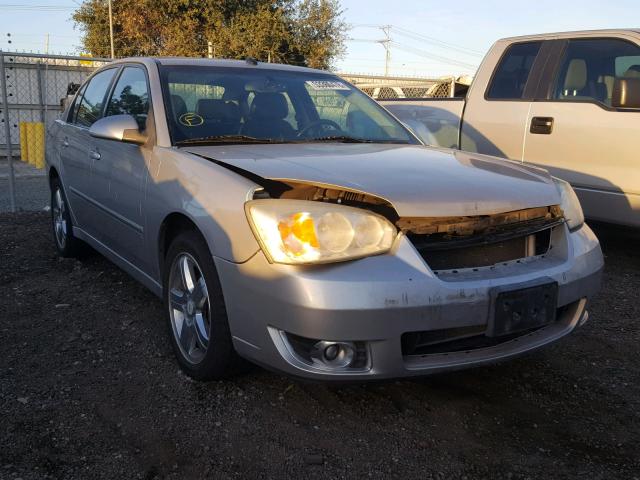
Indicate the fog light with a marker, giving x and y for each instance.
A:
(333, 354)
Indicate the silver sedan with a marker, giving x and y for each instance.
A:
(287, 219)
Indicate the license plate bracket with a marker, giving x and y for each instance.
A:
(518, 308)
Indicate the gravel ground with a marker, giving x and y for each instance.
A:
(32, 190)
(89, 389)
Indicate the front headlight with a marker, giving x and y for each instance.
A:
(300, 231)
(570, 204)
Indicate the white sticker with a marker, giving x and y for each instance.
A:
(327, 85)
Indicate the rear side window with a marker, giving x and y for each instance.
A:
(512, 73)
(130, 95)
(90, 108)
(589, 68)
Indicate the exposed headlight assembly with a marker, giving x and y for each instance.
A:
(570, 204)
(302, 232)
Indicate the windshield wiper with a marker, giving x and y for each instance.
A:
(226, 139)
(348, 139)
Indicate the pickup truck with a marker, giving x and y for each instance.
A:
(567, 102)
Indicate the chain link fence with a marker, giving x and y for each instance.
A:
(32, 87)
(387, 88)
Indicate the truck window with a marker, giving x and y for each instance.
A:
(512, 73)
(589, 68)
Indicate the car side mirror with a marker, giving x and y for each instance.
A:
(626, 93)
(122, 128)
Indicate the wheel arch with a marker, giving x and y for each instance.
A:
(172, 225)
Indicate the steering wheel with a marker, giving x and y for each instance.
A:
(321, 123)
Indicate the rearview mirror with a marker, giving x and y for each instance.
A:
(122, 128)
(626, 93)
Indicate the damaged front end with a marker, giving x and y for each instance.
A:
(447, 243)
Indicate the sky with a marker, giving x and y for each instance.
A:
(429, 38)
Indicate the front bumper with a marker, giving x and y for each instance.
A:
(377, 299)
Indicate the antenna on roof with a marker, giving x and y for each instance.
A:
(251, 61)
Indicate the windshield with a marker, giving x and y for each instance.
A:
(240, 105)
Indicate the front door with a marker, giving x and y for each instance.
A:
(121, 171)
(579, 137)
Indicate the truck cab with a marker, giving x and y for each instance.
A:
(567, 102)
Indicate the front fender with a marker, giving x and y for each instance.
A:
(211, 196)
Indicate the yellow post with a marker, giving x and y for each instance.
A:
(39, 144)
(31, 144)
(23, 142)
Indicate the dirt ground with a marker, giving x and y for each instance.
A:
(89, 389)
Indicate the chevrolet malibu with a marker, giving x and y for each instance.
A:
(287, 219)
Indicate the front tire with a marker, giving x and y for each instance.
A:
(67, 245)
(195, 310)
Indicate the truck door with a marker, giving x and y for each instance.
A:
(495, 120)
(574, 132)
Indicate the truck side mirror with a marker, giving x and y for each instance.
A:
(626, 93)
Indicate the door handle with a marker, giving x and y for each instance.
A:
(541, 125)
(94, 155)
(65, 142)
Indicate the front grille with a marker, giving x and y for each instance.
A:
(477, 251)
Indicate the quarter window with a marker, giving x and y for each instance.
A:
(92, 102)
(130, 96)
(513, 71)
(589, 68)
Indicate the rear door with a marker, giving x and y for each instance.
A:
(575, 133)
(76, 154)
(495, 120)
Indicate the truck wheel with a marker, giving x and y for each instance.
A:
(67, 244)
(196, 312)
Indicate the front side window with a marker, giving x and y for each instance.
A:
(273, 106)
(589, 68)
(513, 71)
(130, 96)
(92, 103)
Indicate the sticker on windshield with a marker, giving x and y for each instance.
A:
(191, 119)
(327, 85)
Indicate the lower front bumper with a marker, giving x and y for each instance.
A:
(376, 300)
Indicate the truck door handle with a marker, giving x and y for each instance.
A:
(541, 125)
(94, 155)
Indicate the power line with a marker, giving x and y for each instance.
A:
(424, 38)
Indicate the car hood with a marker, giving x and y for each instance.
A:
(418, 181)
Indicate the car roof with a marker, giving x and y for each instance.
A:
(215, 62)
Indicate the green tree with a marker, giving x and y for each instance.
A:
(301, 32)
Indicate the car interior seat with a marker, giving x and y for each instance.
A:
(267, 117)
(220, 117)
(578, 86)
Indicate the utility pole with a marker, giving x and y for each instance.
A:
(46, 44)
(111, 30)
(210, 49)
(386, 43)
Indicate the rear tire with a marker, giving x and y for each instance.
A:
(196, 312)
(67, 244)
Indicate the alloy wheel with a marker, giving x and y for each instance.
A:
(189, 307)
